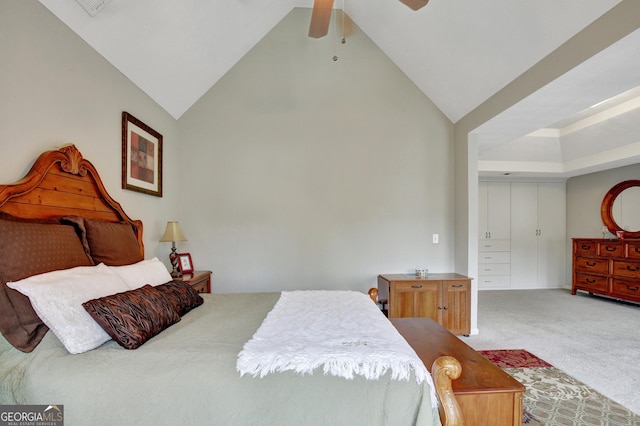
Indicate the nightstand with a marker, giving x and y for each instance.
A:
(199, 280)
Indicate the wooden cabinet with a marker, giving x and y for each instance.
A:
(538, 235)
(445, 298)
(199, 280)
(607, 267)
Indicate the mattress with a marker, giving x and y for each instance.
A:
(187, 375)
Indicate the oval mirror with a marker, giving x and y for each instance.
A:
(620, 209)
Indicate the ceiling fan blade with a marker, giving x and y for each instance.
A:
(320, 18)
(415, 4)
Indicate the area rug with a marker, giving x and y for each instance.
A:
(552, 397)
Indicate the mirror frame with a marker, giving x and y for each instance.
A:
(607, 206)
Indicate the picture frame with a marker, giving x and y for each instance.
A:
(185, 264)
(141, 157)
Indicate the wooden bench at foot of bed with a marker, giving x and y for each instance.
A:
(486, 395)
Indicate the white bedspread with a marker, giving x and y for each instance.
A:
(343, 332)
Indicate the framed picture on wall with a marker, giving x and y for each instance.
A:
(141, 157)
(185, 264)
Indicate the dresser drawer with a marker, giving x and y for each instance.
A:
(492, 282)
(626, 288)
(585, 247)
(633, 250)
(404, 286)
(591, 282)
(494, 245)
(494, 257)
(494, 269)
(623, 268)
(611, 249)
(591, 265)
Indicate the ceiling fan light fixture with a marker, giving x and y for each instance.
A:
(415, 4)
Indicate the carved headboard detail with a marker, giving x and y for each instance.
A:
(63, 183)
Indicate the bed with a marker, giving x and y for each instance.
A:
(181, 365)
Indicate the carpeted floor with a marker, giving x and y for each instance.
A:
(554, 397)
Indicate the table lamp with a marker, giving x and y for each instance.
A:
(172, 234)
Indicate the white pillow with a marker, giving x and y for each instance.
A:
(150, 271)
(57, 298)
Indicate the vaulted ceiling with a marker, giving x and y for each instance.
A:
(458, 52)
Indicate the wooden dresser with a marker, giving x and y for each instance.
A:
(445, 298)
(610, 267)
(487, 395)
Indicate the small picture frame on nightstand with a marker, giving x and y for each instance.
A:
(185, 264)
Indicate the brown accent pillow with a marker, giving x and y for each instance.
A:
(112, 243)
(181, 295)
(30, 248)
(133, 317)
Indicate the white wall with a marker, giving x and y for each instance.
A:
(310, 173)
(55, 89)
(294, 171)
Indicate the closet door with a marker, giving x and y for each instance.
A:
(524, 239)
(538, 243)
(494, 210)
(552, 230)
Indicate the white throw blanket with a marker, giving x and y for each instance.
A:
(342, 331)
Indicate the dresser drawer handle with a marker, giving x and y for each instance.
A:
(633, 268)
(636, 288)
(416, 286)
(610, 248)
(585, 247)
(591, 263)
(590, 281)
(636, 249)
(457, 286)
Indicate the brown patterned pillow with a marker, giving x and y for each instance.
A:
(30, 248)
(181, 295)
(112, 243)
(133, 317)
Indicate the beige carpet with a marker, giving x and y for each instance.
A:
(594, 340)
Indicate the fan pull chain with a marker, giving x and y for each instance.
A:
(343, 40)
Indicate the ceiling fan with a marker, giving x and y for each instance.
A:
(321, 15)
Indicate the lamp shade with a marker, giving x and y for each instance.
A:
(173, 233)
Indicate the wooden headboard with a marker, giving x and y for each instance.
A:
(62, 183)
